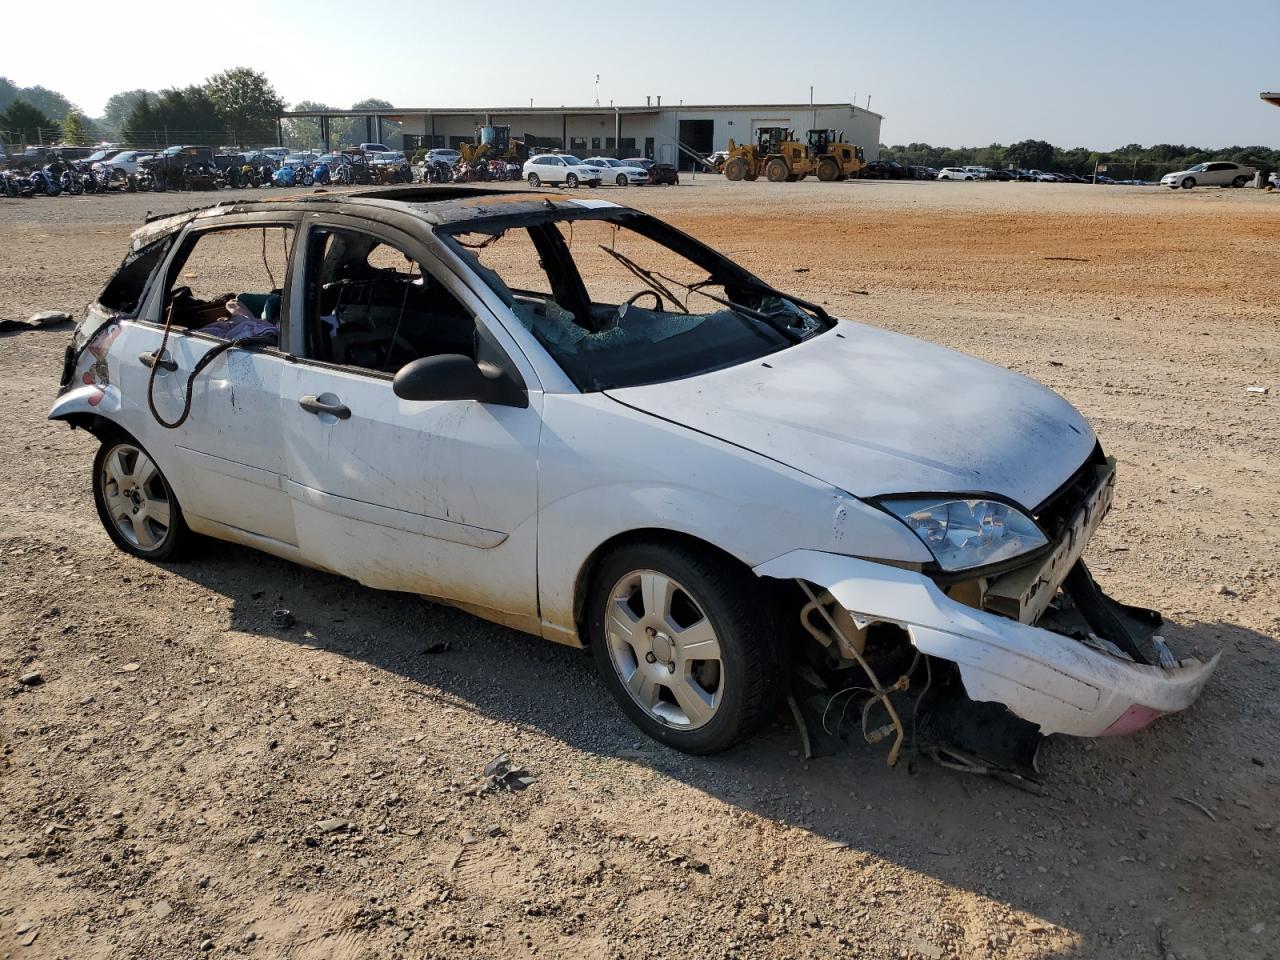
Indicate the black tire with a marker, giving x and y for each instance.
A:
(777, 171)
(1240, 181)
(828, 170)
(1188, 183)
(742, 614)
(534, 181)
(622, 180)
(177, 537)
(735, 169)
(571, 181)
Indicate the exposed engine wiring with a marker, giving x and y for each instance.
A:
(880, 693)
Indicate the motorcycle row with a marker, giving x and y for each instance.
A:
(75, 178)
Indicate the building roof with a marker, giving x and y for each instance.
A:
(395, 113)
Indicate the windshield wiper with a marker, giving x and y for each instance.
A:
(646, 277)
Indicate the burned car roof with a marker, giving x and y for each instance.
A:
(437, 205)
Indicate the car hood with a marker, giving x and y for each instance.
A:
(874, 412)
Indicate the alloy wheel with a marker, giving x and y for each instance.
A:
(136, 497)
(664, 649)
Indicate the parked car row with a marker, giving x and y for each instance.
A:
(566, 169)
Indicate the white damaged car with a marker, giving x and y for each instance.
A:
(568, 417)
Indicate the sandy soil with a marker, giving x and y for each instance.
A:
(188, 778)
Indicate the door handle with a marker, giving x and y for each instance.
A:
(312, 404)
(164, 362)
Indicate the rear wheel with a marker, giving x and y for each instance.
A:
(134, 501)
(534, 181)
(735, 169)
(776, 170)
(1239, 181)
(828, 170)
(685, 641)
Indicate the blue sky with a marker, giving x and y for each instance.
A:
(946, 73)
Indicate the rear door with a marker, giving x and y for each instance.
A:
(437, 498)
(225, 459)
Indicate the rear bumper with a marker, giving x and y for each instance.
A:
(1047, 678)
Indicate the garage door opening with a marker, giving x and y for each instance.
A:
(698, 136)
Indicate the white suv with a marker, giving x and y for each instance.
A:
(954, 173)
(560, 168)
(617, 171)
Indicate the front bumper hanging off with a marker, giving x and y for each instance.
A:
(1055, 681)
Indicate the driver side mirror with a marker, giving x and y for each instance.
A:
(452, 376)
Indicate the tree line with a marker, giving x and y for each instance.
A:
(1132, 161)
(237, 106)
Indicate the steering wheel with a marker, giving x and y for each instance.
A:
(631, 300)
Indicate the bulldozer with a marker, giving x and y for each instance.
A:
(776, 155)
(834, 159)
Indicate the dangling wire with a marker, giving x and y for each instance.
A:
(271, 276)
(403, 302)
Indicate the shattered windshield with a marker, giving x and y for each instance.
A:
(628, 301)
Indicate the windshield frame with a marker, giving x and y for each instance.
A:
(721, 271)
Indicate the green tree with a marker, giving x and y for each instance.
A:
(1030, 154)
(78, 129)
(392, 133)
(303, 133)
(175, 116)
(116, 111)
(247, 104)
(52, 104)
(26, 123)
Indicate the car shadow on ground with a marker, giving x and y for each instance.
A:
(1056, 856)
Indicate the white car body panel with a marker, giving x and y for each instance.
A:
(875, 412)
(606, 469)
(1044, 677)
(433, 498)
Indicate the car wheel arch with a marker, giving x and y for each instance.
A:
(584, 582)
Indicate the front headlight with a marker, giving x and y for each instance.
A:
(963, 534)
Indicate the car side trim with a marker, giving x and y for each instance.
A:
(231, 468)
(381, 516)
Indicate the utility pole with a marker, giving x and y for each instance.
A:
(597, 89)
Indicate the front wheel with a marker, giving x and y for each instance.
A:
(622, 180)
(134, 501)
(685, 641)
(534, 181)
(1239, 181)
(1188, 183)
(571, 181)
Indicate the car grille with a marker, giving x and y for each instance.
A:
(1057, 511)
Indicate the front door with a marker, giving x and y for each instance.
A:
(437, 498)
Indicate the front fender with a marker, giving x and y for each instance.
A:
(1047, 678)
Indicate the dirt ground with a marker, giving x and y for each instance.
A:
(189, 780)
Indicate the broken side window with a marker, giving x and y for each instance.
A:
(372, 306)
(124, 292)
(229, 282)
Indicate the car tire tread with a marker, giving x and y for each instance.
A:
(745, 616)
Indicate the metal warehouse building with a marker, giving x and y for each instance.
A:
(666, 134)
